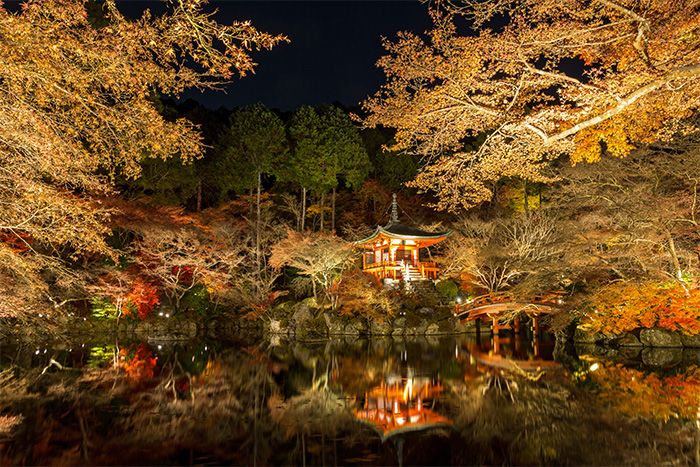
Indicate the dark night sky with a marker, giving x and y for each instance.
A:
(331, 57)
(332, 54)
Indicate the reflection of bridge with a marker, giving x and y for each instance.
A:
(513, 357)
(496, 305)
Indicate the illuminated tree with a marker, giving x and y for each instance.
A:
(541, 79)
(324, 145)
(253, 144)
(76, 99)
(320, 256)
(635, 217)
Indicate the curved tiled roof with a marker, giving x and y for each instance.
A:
(398, 230)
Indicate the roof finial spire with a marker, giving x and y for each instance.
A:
(394, 210)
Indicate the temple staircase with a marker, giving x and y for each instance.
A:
(421, 285)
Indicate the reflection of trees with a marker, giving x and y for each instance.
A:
(510, 419)
(99, 416)
(316, 420)
(230, 411)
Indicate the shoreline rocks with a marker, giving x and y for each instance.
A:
(659, 338)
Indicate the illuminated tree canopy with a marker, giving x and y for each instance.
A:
(540, 78)
(77, 107)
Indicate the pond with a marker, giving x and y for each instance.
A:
(464, 400)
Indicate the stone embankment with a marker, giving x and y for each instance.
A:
(159, 329)
(655, 346)
(304, 321)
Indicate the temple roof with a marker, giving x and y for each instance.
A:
(395, 229)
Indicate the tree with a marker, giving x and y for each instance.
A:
(302, 166)
(181, 257)
(320, 256)
(552, 78)
(635, 217)
(346, 155)
(253, 144)
(324, 145)
(77, 108)
(496, 254)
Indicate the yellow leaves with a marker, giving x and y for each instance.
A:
(439, 94)
(636, 393)
(623, 307)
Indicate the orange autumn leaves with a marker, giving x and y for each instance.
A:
(561, 78)
(79, 86)
(139, 363)
(624, 307)
(633, 392)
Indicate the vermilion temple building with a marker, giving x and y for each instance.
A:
(393, 251)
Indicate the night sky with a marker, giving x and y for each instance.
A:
(332, 54)
(331, 57)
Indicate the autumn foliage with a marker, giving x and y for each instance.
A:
(361, 294)
(627, 306)
(142, 299)
(78, 108)
(533, 81)
(139, 363)
(651, 395)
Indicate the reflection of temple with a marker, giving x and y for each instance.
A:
(398, 405)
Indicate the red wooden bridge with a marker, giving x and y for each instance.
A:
(493, 306)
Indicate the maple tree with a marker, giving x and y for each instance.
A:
(641, 394)
(624, 306)
(182, 257)
(540, 80)
(361, 294)
(495, 254)
(320, 256)
(77, 108)
(633, 217)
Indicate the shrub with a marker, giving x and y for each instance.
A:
(447, 289)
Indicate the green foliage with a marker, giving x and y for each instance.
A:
(451, 369)
(100, 356)
(169, 182)
(254, 143)
(415, 302)
(102, 308)
(197, 300)
(413, 318)
(395, 168)
(195, 361)
(447, 289)
(325, 144)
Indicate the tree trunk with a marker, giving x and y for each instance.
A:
(257, 227)
(333, 211)
(252, 204)
(678, 272)
(199, 196)
(526, 203)
(303, 207)
(323, 203)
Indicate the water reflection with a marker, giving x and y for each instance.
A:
(472, 400)
(402, 404)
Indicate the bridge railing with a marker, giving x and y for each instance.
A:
(551, 298)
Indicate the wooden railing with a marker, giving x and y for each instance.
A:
(552, 299)
(396, 269)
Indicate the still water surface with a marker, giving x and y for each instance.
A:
(463, 400)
